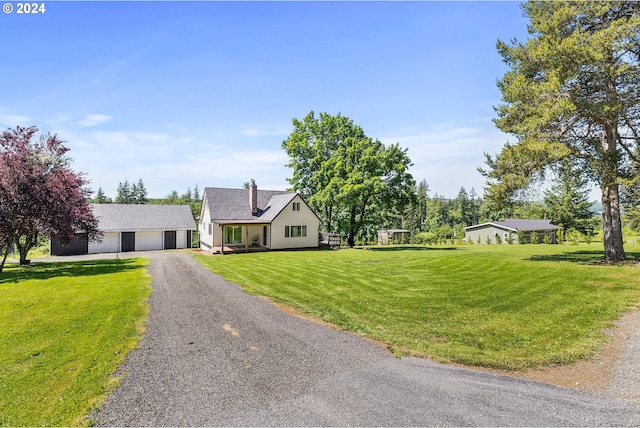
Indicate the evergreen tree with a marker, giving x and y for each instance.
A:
(460, 215)
(139, 193)
(187, 197)
(572, 92)
(415, 214)
(474, 207)
(124, 193)
(567, 200)
(630, 197)
(101, 198)
(196, 193)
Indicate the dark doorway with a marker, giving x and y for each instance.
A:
(264, 235)
(169, 239)
(128, 241)
(78, 245)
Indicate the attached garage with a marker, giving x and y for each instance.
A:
(134, 228)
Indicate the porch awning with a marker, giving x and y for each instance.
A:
(240, 222)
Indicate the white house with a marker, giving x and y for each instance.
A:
(505, 231)
(134, 227)
(243, 219)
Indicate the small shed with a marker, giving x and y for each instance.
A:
(508, 230)
(393, 236)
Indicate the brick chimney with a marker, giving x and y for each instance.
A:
(253, 197)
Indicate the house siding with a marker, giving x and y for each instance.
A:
(288, 217)
(491, 232)
(206, 239)
(483, 232)
(110, 244)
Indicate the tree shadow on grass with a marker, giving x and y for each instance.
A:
(585, 257)
(14, 273)
(409, 248)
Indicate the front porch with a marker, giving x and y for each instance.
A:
(232, 249)
(237, 237)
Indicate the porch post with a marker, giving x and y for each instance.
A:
(246, 238)
(222, 241)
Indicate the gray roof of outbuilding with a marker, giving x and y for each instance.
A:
(132, 217)
(525, 225)
(233, 204)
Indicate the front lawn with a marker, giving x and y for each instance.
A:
(508, 306)
(64, 329)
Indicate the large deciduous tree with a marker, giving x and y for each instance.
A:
(572, 92)
(341, 172)
(40, 195)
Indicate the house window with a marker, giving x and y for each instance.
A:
(295, 231)
(233, 234)
(210, 228)
(296, 206)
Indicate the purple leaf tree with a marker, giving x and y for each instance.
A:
(40, 195)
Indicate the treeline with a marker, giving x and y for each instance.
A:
(136, 193)
(434, 218)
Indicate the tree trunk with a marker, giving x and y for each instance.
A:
(4, 256)
(351, 239)
(328, 210)
(30, 241)
(611, 224)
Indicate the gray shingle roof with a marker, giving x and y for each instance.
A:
(525, 225)
(125, 217)
(233, 204)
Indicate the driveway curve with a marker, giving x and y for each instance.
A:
(213, 355)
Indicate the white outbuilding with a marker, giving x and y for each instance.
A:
(134, 227)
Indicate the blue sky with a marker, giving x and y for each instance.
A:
(203, 93)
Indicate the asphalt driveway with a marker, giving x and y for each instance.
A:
(216, 356)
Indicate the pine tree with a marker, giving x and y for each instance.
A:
(139, 195)
(567, 200)
(124, 194)
(196, 193)
(101, 198)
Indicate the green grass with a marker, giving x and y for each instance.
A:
(508, 307)
(64, 330)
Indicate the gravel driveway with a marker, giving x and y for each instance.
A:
(214, 355)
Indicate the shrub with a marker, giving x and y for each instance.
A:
(573, 236)
(498, 239)
(521, 239)
(488, 241)
(534, 237)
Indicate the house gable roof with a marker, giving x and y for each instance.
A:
(233, 204)
(524, 225)
(131, 217)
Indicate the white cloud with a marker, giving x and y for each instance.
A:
(448, 155)
(94, 119)
(254, 132)
(169, 161)
(12, 120)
